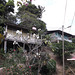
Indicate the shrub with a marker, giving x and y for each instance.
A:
(68, 48)
(2, 53)
(73, 40)
(17, 63)
(49, 68)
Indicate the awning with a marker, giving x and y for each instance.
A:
(73, 58)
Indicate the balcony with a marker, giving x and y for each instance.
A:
(23, 39)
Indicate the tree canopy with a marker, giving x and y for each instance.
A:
(29, 16)
(5, 9)
(32, 9)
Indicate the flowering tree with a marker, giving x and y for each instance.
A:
(24, 2)
(32, 63)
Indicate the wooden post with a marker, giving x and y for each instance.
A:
(5, 42)
(5, 46)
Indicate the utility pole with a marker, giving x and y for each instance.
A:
(63, 49)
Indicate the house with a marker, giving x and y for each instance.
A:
(19, 34)
(56, 36)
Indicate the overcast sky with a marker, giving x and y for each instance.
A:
(54, 14)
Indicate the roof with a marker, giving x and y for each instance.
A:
(15, 26)
(60, 32)
(18, 27)
(73, 58)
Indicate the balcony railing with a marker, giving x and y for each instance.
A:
(23, 39)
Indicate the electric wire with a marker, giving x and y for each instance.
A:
(72, 22)
(73, 19)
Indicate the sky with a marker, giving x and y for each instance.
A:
(54, 14)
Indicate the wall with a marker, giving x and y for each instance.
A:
(56, 37)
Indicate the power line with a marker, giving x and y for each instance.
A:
(71, 22)
(73, 19)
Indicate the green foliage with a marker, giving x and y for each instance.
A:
(2, 9)
(3, 2)
(73, 40)
(34, 70)
(49, 68)
(2, 20)
(68, 48)
(16, 63)
(19, 58)
(2, 53)
(47, 40)
(11, 18)
(1, 38)
(72, 64)
(44, 70)
(28, 16)
(47, 37)
(41, 25)
(9, 6)
(10, 2)
(5, 8)
(1, 29)
(32, 9)
(28, 20)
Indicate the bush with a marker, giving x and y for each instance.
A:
(71, 63)
(18, 63)
(73, 40)
(2, 53)
(68, 48)
(49, 68)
